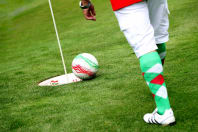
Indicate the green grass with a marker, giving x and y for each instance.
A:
(117, 98)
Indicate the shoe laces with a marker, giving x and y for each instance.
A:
(155, 111)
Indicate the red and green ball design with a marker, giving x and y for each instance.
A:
(85, 66)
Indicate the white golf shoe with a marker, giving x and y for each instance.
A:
(166, 119)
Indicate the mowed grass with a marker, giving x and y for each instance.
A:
(117, 98)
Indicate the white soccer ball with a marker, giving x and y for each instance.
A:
(85, 66)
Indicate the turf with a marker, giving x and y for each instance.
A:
(117, 98)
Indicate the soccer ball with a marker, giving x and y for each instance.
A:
(85, 66)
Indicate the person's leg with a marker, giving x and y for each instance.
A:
(162, 51)
(135, 24)
(152, 69)
(158, 13)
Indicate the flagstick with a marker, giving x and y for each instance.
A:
(50, 5)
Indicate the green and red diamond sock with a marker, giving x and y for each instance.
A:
(152, 71)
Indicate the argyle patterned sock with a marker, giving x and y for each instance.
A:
(152, 70)
(162, 51)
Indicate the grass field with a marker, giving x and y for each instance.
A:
(117, 98)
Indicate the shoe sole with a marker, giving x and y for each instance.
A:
(170, 124)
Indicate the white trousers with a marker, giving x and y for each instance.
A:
(144, 25)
